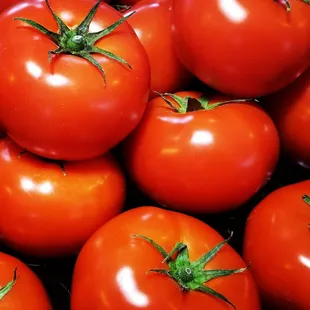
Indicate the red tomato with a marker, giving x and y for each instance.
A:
(289, 109)
(63, 109)
(23, 292)
(112, 269)
(202, 161)
(277, 244)
(246, 48)
(152, 24)
(47, 213)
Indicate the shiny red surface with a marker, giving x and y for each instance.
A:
(276, 243)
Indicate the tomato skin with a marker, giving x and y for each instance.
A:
(277, 244)
(113, 264)
(202, 161)
(28, 292)
(45, 213)
(247, 48)
(152, 24)
(289, 109)
(70, 113)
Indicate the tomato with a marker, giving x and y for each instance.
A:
(46, 212)
(206, 160)
(276, 242)
(111, 271)
(245, 48)
(289, 109)
(4, 4)
(20, 287)
(65, 109)
(152, 24)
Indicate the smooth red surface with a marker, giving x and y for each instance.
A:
(246, 48)
(45, 213)
(111, 270)
(290, 109)
(28, 292)
(152, 24)
(62, 110)
(202, 161)
(276, 243)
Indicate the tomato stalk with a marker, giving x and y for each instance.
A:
(79, 41)
(288, 5)
(191, 276)
(306, 199)
(189, 104)
(7, 288)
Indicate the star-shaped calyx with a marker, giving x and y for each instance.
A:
(192, 275)
(79, 41)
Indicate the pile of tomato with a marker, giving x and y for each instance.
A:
(155, 154)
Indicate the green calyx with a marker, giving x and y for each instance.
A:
(7, 288)
(192, 276)
(189, 104)
(79, 41)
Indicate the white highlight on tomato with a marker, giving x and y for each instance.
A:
(128, 286)
(57, 80)
(202, 137)
(33, 69)
(233, 10)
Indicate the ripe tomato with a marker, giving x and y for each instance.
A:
(112, 269)
(276, 242)
(289, 109)
(152, 24)
(63, 109)
(245, 48)
(45, 212)
(208, 160)
(128, 2)
(20, 290)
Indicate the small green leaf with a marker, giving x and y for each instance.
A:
(209, 275)
(110, 55)
(54, 36)
(83, 27)
(201, 262)
(153, 243)
(210, 291)
(204, 101)
(95, 36)
(63, 28)
(177, 248)
(306, 199)
(7, 288)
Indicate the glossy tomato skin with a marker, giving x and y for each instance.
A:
(28, 292)
(46, 213)
(63, 109)
(245, 48)
(111, 270)
(277, 244)
(290, 111)
(152, 24)
(202, 161)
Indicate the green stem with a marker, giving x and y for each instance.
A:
(8, 287)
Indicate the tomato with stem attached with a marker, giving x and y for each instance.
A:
(200, 154)
(20, 288)
(50, 208)
(150, 258)
(152, 24)
(290, 111)
(276, 242)
(245, 48)
(67, 86)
